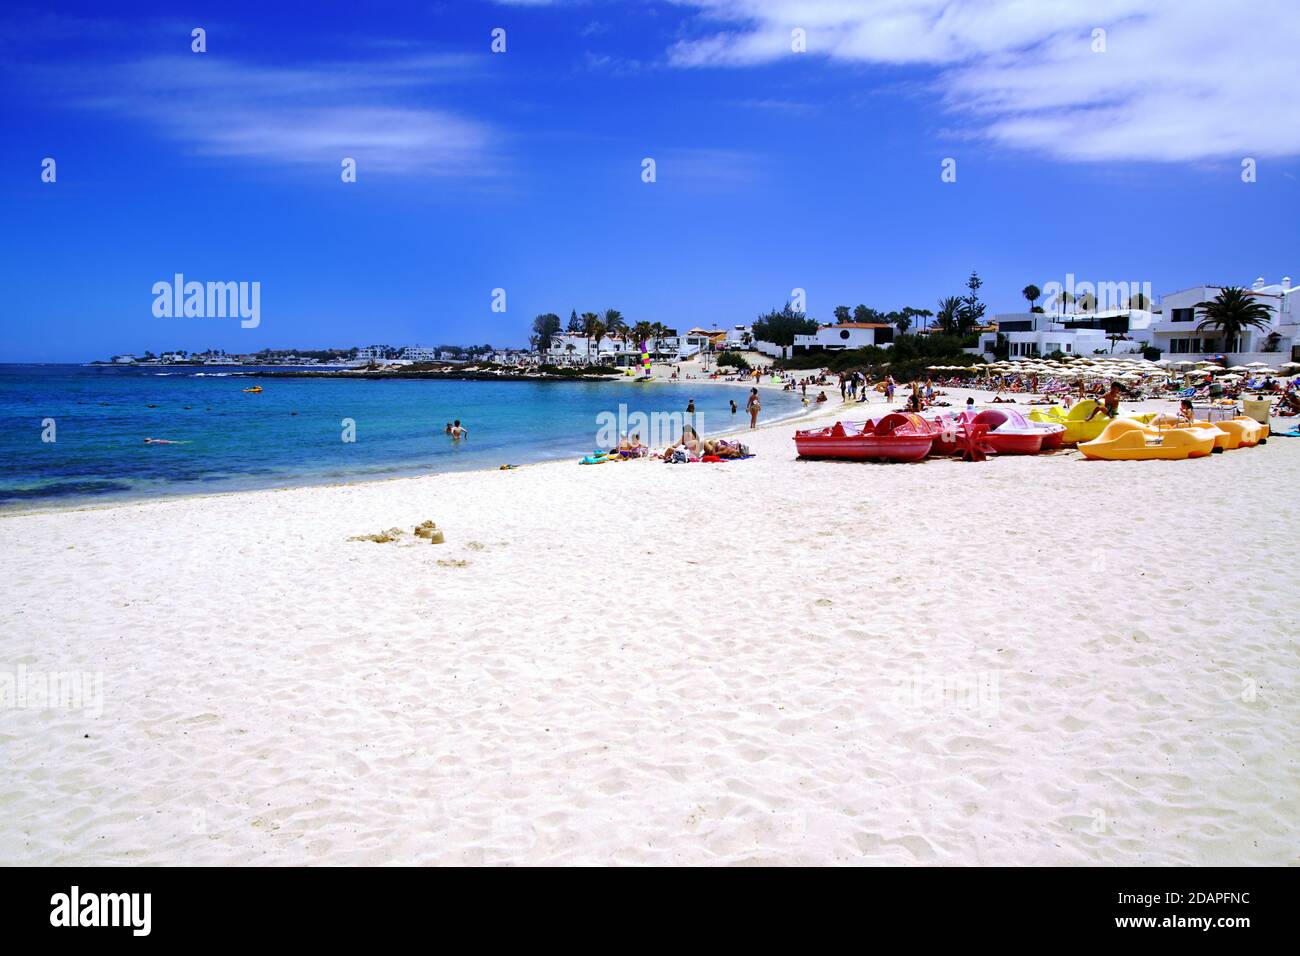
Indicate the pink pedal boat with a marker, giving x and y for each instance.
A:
(895, 437)
(1010, 433)
(1004, 431)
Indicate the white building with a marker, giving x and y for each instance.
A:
(570, 348)
(1115, 331)
(739, 337)
(1179, 337)
(418, 353)
(849, 335)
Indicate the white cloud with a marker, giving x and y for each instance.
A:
(1179, 79)
(373, 112)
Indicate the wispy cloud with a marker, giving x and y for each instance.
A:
(1177, 80)
(376, 112)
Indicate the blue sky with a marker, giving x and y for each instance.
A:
(776, 169)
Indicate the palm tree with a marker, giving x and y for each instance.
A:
(589, 320)
(1087, 302)
(948, 318)
(1232, 312)
(1032, 293)
(615, 324)
(598, 330)
(1063, 299)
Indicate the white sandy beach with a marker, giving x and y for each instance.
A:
(640, 663)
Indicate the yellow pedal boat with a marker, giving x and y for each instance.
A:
(1239, 432)
(1124, 439)
(1077, 429)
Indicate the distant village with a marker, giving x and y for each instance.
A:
(1179, 328)
(562, 349)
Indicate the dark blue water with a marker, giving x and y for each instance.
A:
(291, 433)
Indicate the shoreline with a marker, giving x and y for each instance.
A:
(128, 502)
(810, 414)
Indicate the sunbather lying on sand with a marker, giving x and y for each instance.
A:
(724, 449)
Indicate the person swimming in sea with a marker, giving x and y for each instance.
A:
(457, 432)
(160, 441)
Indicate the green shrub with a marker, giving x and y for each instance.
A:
(575, 371)
(906, 359)
(733, 360)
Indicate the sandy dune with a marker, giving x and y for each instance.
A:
(1022, 661)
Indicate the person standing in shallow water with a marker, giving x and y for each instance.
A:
(753, 406)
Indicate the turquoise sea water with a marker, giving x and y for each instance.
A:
(291, 433)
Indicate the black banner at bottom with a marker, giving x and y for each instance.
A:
(337, 906)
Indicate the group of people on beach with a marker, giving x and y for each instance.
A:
(753, 406)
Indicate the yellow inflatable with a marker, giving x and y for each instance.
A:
(1077, 427)
(1127, 440)
(1239, 432)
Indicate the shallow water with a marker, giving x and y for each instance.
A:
(293, 432)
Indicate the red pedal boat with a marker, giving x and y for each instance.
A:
(895, 437)
(1010, 433)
